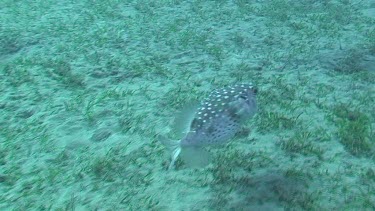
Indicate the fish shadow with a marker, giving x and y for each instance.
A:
(270, 190)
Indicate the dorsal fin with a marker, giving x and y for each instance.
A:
(184, 118)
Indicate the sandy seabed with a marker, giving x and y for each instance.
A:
(86, 86)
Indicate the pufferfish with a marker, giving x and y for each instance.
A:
(215, 121)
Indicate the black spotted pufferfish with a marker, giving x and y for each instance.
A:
(215, 121)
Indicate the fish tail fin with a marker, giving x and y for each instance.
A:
(173, 146)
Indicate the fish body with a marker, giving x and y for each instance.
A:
(216, 120)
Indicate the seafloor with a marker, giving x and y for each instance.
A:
(86, 85)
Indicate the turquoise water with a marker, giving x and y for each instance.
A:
(87, 85)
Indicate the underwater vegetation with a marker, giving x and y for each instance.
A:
(85, 87)
(354, 130)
